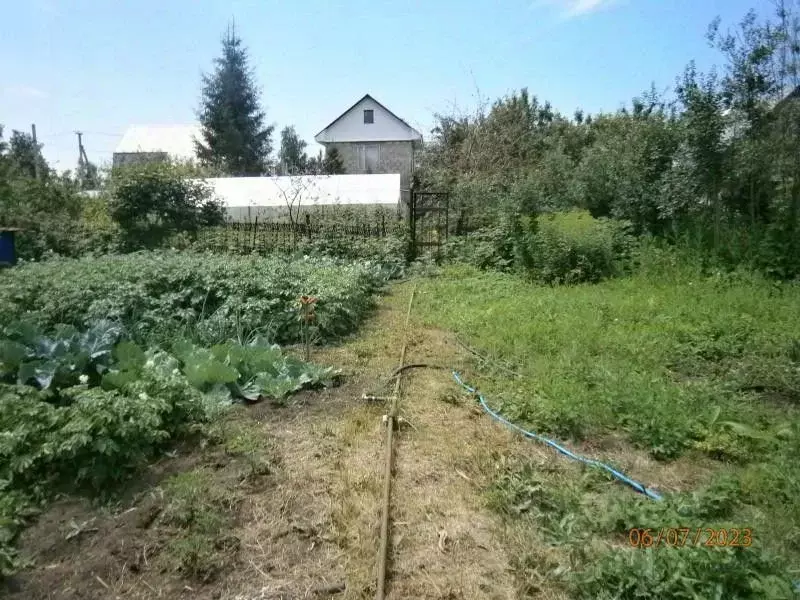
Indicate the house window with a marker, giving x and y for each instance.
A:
(369, 116)
(369, 157)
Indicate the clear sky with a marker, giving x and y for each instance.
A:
(99, 66)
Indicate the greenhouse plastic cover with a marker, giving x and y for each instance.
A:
(306, 190)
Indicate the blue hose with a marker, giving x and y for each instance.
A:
(535, 436)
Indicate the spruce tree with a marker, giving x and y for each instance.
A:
(333, 164)
(234, 137)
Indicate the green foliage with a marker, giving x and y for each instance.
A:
(332, 163)
(683, 572)
(52, 362)
(556, 248)
(15, 510)
(95, 440)
(676, 363)
(97, 232)
(678, 573)
(252, 371)
(575, 248)
(96, 436)
(501, 223)
(153, 201)
(157, 296)
(200, 512)
(87, 175)
(235, 138)
(292, 159)
(711, 165)
(624, 163)
(49, 210)
(589, 524)
(679, 363)
(26, 156)
(486, 248)
(387, 253)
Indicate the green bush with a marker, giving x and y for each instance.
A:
(568, 248)
(154, 201)
(46, 211)
(574, 247)
(94, 441)
(97, 232)
(487, 248)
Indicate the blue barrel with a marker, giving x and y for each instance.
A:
(8, 251)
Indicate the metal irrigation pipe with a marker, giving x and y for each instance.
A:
(383, 551)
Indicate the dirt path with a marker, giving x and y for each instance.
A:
(444, 543)
(310, 528)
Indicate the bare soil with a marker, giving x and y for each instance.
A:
(309, 527)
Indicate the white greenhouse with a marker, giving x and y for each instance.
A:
(269, 198)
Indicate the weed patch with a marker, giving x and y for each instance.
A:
(201, 515)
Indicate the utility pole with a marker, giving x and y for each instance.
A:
(83, 161)
(36, 151)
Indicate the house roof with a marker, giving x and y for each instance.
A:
(318, 190)
(788, 97)
(359, 101)
(176, 140)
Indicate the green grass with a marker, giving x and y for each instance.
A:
(678, 364)
(667, 363)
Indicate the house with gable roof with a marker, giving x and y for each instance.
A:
(371, 139)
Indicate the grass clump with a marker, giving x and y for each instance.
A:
(248, 442)
(201, 515)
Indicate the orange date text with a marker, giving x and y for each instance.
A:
(690, 536)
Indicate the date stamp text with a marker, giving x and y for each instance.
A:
(690, 536)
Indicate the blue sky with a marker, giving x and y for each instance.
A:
(98, 66)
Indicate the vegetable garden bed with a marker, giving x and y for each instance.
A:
(158, 295)
(106, 361)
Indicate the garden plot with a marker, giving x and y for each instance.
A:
(685, 383)
(159, 295)
(106, 362)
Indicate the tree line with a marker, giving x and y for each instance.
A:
(713, 163)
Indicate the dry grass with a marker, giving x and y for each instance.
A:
(444, 544)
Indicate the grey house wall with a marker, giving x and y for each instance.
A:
(121, 159)
(395, 157)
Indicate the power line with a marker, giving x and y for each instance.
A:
(63, 133)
